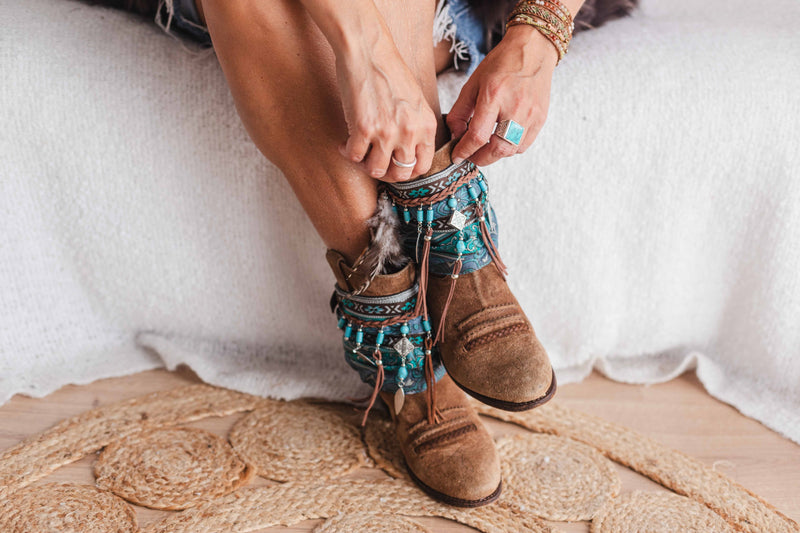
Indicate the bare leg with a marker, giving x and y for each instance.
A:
(281, 72)
(443, 57)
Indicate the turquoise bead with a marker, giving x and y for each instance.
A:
(347, 332)
(359, 336)
(482, 185)
(419, 215)
(402, 373)
(404, 329)
(341, 324)
(379, 338)
(426, 326)
(406, 216)
(429, 215)
(472, 193)
(461, 247)
(452, 203)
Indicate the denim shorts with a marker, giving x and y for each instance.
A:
(454, 21)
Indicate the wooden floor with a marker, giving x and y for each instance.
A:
(679, 414)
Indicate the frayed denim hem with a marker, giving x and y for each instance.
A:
(455, 21)
(180, 18)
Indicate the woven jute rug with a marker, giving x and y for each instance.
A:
(561, 469)
(66, 508)
(170, 468)
(657, 512)
(290, 441)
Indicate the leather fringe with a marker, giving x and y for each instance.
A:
(487, 241)
(378, 384)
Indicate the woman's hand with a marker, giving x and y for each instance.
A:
(512, 82)
(384, 106)
(386, 113)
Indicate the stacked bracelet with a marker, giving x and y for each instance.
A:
(550, 17)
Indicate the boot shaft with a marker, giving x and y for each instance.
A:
(384, 331)
(450, 205)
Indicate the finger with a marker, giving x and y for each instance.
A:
(496, 149)
(425, 145)
(403, 154)
(356, 147)
(478, 133)
(378, 160)
(425, 153)
(459, 115)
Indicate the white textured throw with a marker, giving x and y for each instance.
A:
(654, 226)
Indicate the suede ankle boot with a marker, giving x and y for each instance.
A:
(487, 344)
(454, 460)
(387, 339)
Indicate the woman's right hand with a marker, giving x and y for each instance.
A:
(386, 111)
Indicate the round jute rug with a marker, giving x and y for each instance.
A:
(315, 456)
(555, 478)
(66, 508)
(657, 512)
(170, 468)
(290, 441)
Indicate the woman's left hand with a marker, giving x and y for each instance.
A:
(512, 82)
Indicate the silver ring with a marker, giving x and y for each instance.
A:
(404, 165)
(510, 131)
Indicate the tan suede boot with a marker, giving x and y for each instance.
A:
(454, 459)
(449, 452)
(487, 344)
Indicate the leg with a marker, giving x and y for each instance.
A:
(281, 73)
(280, 70)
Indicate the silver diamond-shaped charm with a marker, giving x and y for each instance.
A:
(458, 219)
(404, 347)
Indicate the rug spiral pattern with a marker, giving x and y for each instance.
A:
(170, 468)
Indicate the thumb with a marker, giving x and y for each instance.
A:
(462, 110)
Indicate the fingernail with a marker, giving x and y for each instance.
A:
(457, 159)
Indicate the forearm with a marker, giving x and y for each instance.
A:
(353, 28)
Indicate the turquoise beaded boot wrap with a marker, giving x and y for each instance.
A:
(385, 332)
(447, 222)
(452, 206)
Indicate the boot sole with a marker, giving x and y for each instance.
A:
(451, 500)
(512, 406)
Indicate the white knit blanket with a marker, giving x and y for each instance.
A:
(654, 226)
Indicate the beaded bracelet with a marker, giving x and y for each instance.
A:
(541, 22)
(552, 37)
(548, 11)
(550, 17)
(557, 7)
(547, 16)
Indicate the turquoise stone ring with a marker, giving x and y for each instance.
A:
(510, 131)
